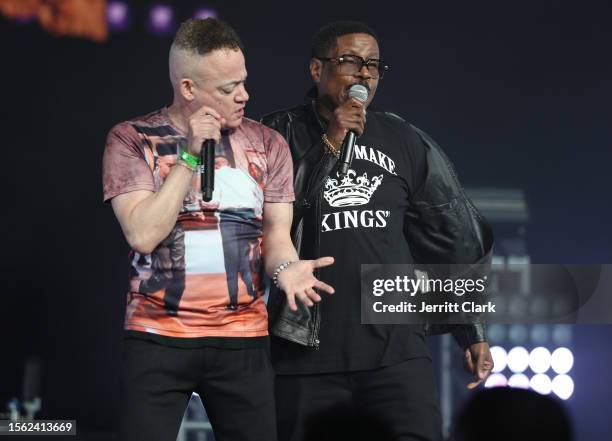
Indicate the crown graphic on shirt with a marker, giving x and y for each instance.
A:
(351, 191)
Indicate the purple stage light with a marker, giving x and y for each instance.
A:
(519, 381)
(500, 358)
(541, 384)
(518, 359)
(563, 386)
(161, 19)
(562, 360)
(204, 13)
(496, 380)
(539, 360)
(117, 14)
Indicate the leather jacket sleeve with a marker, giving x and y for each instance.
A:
(444, 227)
(311, 166)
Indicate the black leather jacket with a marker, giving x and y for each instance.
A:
(444, 226)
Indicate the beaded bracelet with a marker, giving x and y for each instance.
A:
(280, 268)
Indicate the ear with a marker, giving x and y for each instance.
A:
(186, 89)
(316, 68)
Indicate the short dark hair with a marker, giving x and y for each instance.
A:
(325, 38)
(206, 35)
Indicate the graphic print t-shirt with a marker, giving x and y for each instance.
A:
(362, 223)
(206, 278)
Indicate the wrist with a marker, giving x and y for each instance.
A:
(278, 270)
(188, 160)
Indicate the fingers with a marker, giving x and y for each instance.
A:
(324, 287)
(302, 297)
(481, 375)
(299, 283)
(482, 369)
(291, 301)
(351, 115)
(204, 124)
(312, 295)
(308, 297)
(474, 384)
(206, 110)
(322, 262)
(469, 363)
(354, 102)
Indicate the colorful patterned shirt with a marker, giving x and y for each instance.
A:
(206, 279)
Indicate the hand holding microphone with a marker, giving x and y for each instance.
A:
(204, 132)
(347, 124)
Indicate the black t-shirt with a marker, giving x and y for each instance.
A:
(362, 222)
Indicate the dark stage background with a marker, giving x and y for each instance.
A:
(519, 95)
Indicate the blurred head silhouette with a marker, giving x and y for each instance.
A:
(502, 414)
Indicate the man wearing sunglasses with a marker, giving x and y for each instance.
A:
(398, 203)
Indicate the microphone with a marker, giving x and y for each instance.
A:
(207, 169)
(346, 156)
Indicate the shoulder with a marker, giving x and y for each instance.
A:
(391, 122)
(264, 139)
(130, 127)
(251, 126)
(254, 128)
(395, 126)
(282, 117)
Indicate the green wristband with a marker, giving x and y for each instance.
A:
(192, 161)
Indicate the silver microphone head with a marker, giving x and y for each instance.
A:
(359, 92)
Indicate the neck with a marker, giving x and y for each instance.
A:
(179, 115)
(323, 109)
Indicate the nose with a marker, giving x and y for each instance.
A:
(242, 96)
(364, 72)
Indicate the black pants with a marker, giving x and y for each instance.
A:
(235, 385)
(398, 403)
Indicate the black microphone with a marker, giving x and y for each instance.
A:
(207, 169)
(348, 147)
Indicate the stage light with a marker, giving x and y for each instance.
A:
(518, 334)
(539, 360)
(563, 386)
(161, 19)
(518, 359)
(499, 358)
(496, 380)
(562, 360)
(519, 381)
(541, 384)
(117, 15)
(204, 13)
